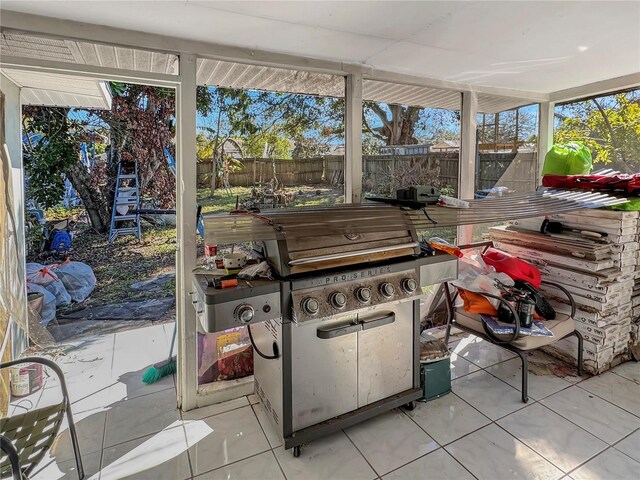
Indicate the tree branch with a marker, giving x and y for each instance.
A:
(375, 108)
(612, 134)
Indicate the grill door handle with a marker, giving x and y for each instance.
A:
(338, 330)
(385, 318)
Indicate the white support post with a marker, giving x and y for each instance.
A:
(187, 380)
(19, 338)
(545, 135)
(353, 139)
(467, 163)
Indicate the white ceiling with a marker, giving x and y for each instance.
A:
(533, 46)
(59, 90)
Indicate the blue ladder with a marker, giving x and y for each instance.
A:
(127, 197)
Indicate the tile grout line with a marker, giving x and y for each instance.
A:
(462, 436)
(574, 423)
(607, 445)
(623, 439)
(273, 452)
(186, 442)
(232, 463)
(260, 425)
(622, 376)
(362, 454)
(604, 399)
(532, 449)
(214, 414)
(137, 438)
(270, 449)
(104, 437)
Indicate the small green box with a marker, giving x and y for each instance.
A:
(435, 379)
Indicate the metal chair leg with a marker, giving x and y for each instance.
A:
(7, 448)
(449, 305)
(580, 351)
(525, 375)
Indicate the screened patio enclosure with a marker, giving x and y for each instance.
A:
(465, 56)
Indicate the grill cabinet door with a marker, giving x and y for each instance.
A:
(385, 352)
(323, 370)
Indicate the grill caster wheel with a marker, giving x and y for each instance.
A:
(409, 406)
(296, 451)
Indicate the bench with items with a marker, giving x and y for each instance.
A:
(497, 297)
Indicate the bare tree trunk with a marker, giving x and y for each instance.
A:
(214, 176)
(93, 199)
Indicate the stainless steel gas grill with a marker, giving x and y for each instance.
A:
(336, 335)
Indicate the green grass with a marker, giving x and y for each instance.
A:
(222, 201)
(306, 196)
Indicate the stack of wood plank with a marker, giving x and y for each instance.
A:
(602, 274)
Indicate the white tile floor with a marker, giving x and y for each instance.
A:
(573, 428)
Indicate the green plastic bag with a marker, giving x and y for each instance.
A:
(568, 159)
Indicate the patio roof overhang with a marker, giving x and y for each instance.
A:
(59, 90)
(528, 50)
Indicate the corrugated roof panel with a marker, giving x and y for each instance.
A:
(33, 96)
(219, 73)
(62, 90)
(495, 103)
(417, 96)
(87, 53)
(125, 58)
(18, 45)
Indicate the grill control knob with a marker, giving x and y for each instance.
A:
(387, 290)
(338, 300)
(244, 313)
(363, 294)
(310, 306)
(409, 285)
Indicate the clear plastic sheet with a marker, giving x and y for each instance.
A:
(12, 290)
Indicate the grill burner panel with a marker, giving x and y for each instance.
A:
(350, 289)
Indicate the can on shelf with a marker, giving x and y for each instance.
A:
(210, 254)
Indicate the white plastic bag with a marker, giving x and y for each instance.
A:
(250, 272)
(48, 305)
(39, 274)
(59, 291)
(476, 276)
(78, 278)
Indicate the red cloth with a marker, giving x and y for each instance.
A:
(629, 184)
(512, 266)
(237, 363)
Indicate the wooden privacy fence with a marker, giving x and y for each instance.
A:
(514, 170)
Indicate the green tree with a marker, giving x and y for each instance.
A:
(609, 126)
(140, 127)
(50, 148)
